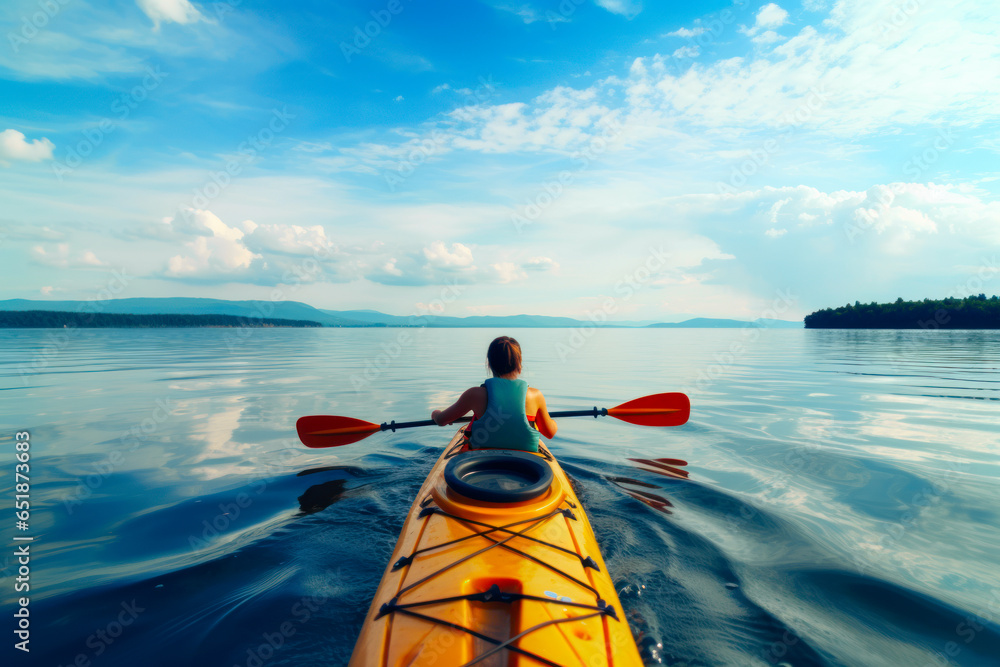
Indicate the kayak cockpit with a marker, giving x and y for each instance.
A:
(498, 475)
(514, 583)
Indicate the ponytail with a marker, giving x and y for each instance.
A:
(504, 356)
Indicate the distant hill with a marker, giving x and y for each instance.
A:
(287, 310)
(475, 321)
(57, 319)
(295, 310)
(710, 323)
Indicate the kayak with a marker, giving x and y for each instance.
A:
(496, 564)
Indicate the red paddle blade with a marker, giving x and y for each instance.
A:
(655, 504)
(323, 431)
(672, 462)
(670, 409)
(663, 468)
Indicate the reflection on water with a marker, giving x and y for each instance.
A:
(833, 500)
(665, 467)
(320, 496)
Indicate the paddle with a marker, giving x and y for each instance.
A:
(670, 409)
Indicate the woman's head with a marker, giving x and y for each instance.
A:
(504, 356)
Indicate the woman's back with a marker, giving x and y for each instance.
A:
(504, 423)
(502, 405)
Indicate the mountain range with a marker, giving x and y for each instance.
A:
(295, 310)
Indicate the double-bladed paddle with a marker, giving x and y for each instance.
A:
(669, 409)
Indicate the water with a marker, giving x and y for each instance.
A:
(840, 506)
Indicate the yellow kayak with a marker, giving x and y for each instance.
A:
(496, 565)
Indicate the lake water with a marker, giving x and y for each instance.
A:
(841, 506)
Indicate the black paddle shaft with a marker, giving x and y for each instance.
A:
(393, 426)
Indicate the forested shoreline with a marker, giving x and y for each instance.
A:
(974, 312)
(54, 319)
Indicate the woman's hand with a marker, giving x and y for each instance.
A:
(434, 416)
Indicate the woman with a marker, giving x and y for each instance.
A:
(501, 404)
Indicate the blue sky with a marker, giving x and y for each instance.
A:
(575, 157)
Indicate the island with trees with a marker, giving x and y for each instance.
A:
(973, 312)
(56, 319)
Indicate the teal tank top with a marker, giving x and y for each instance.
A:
(504, 425)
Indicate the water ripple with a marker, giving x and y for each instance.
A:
(833, 500)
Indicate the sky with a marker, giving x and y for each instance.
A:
(602, 159)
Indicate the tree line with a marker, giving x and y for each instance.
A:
(56, 319)
(973, 312)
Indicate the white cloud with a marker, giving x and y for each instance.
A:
(441, 263)
(435, 264)
(824, 246)
(287, 239)
(60, 56)
(439, 256)
(217, 248)
(771, 16)
(891, 225)
(762, 32)
(390, 267)
(88, 258)
(776, 209)
(767, 37)
(440, 89)
(687, 52)
(60, 256)
(687, 32)
(560, 119)
(540, 264)
(938, 63)
(856, 77)
(508, 272)
(169, 11)
(627, 8)
(527, 13)
(13, 146)
(397, 98)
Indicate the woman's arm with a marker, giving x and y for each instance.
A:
(471, 400)
(546, 425)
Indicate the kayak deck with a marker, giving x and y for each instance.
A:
(475, 582)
